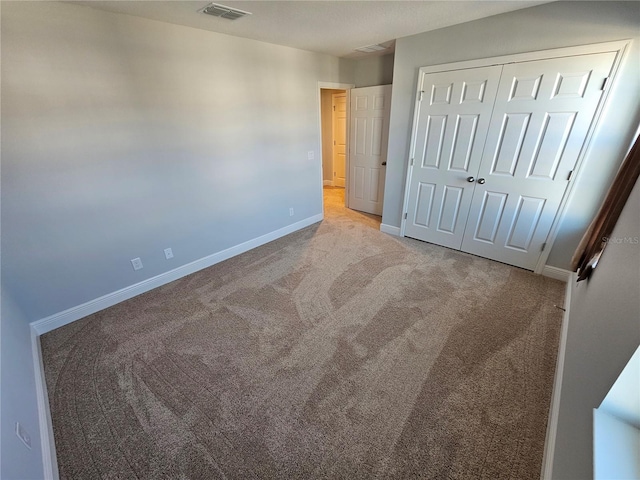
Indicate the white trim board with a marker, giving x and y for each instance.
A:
(586, 49)
(557, 273)
(390, 229)
(554, 409)
(75, 313)
(49, 459)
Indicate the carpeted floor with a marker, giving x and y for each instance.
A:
(336, 352)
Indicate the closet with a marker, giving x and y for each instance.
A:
(493, 150)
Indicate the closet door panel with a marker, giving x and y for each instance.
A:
(542, 114)
(451, 127)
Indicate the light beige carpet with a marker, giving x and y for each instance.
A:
(336, 352)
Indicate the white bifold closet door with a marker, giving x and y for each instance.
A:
(452, 124)
(490, 180)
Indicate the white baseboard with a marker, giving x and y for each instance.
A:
(49, 460)
(390, 229)
(327, 183)
(75, 313)
(554, 408)
(557, 273)
(57, 320)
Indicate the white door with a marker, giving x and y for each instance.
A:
(542, 114)
(452, 123)
(490, 181)
(370, 108)
(339, 101)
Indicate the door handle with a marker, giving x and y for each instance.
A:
(384, 163)
(481, 181)
(471, 179)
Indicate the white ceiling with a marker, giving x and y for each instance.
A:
(332, 27)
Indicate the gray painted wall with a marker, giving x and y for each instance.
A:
(376, 70)
(18, 403)
(553, 25)
(603, 332)
(123, 136)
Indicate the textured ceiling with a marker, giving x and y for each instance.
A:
(331, 27)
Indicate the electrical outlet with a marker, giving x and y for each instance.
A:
(291, 212)
(310, 155)
(168, 253)
(23, 435)
(137, 263)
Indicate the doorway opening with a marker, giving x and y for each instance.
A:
(354, 130)
(333, 116)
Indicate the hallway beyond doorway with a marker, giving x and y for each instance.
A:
(334, 207)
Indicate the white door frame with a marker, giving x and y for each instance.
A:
(334, 86)
(621, 47)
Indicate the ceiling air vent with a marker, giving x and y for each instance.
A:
(224, 12)
(371, 48)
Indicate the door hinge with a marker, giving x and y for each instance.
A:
(334, 142)
(604, 83)
(411, 162)
(334, 108)
(421, 93)
(569, 176)
(544, 245)
(405, 216)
